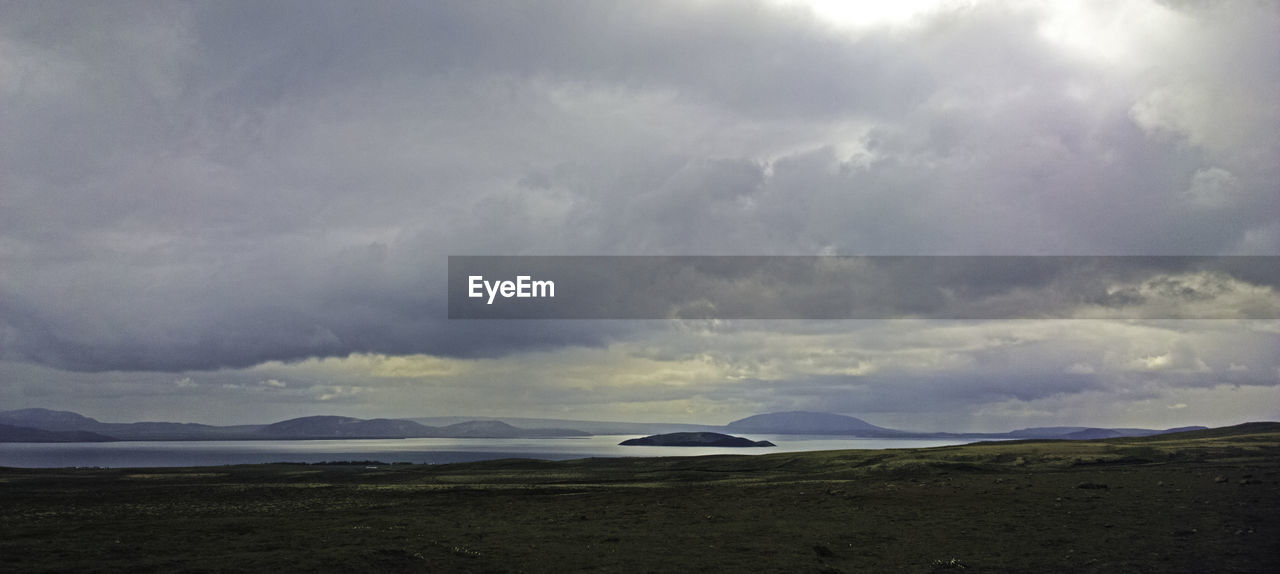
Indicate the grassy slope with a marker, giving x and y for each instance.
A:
(996, 507)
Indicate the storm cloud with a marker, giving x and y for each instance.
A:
(201, 189)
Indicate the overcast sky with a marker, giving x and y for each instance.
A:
(236, 212)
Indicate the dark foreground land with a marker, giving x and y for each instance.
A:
(1190, 502)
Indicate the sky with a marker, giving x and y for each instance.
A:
(241, 212)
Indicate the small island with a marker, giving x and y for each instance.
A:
(694, 439)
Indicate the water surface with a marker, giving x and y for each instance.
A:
(414, 450)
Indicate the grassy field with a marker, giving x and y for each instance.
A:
(1192, 502)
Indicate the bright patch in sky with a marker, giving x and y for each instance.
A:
(873, 13)
(1112, 33)
(1107, 32)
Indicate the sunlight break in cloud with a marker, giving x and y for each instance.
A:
(191, 195)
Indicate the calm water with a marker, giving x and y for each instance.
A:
(417, 450)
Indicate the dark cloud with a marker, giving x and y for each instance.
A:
(218, 184)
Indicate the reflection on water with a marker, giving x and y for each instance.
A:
(415, 450)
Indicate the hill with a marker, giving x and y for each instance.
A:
(311, 427)
(499, 429)
(1087, 433)
(10, 433)
(784, 423)
(344, 427)
(695, 439)
(814, 423)
(802, 422)
(349, 427)
(46, 419)
(590, 427)
(51, 420)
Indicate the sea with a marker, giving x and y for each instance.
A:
(136, 454)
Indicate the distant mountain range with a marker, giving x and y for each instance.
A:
(34, 425)
(593, 427)
(800, 422)
(44, 425)
(10, 433)
(347, 427)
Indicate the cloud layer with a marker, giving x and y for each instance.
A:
(211, 187)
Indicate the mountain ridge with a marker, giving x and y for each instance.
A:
(340, 427)
(807, 422)
(11, 433)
